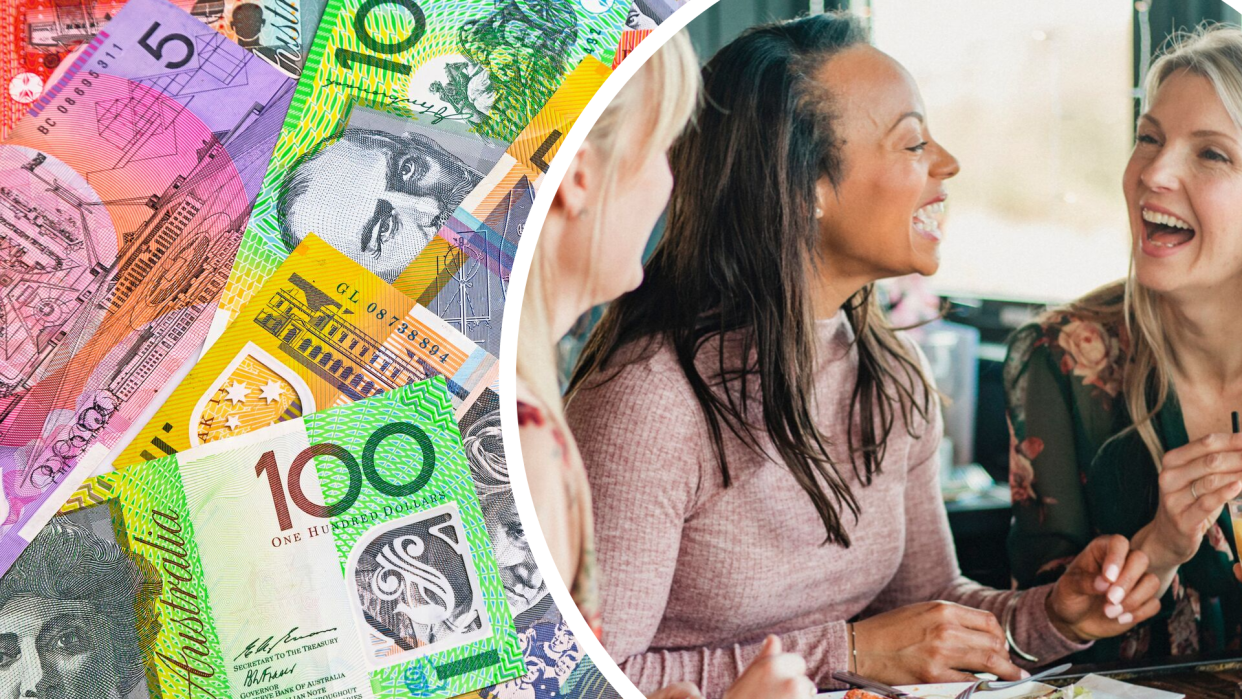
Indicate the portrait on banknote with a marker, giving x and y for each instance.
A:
(272, 34)
(416, 586)
(68, 614)
(481, 439)
(641, 16)
(378, 197)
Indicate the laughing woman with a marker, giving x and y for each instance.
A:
(761, 446)
(1120, 403)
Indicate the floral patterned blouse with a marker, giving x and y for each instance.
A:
(1074, 475)
(546, 446)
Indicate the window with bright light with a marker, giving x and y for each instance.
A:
(1035, 100)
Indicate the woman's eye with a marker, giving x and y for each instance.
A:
(919, 148)
(72, 641)
(9, 649)
(1215, 156)
(1147, 139)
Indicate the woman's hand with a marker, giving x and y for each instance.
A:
(773, 674)
(677, 690)
(1195, 483)
(932, 642)
(1105, 591)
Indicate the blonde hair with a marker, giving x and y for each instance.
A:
(646, 116)
(1215, 53)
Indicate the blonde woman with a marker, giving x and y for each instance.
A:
(590, 251)
(1120, 403)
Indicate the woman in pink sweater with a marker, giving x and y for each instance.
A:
(589, 252)
(761, 445)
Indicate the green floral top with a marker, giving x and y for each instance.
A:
(1075, 473)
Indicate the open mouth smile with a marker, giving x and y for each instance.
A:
(927, 221)
(1165, 231)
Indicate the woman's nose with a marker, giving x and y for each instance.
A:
(1160, 173)
(29, 673)
(946, 165)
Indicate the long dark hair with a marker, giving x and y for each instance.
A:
(740, 253)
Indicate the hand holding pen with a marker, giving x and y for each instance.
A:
(1235, 512)
(1197, 481)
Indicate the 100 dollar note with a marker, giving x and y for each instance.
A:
(323, 332)
(338, 555)
(260, 373)
(378, 194)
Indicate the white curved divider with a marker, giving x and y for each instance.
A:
(512, 326)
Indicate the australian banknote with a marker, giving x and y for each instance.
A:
(323, 331)
(122, 199)
(264, 371)
(476, 197)
(648, 14)
(471, 279)
(343, 554)
(556, 664)
(407, 59)
(38, 36)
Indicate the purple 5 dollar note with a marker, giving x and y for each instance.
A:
(124, 193)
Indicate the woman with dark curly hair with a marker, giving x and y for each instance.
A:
(68, 628)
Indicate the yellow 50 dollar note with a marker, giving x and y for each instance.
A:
(323, 331)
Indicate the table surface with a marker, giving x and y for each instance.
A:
(1212, 678)
(1200, 685)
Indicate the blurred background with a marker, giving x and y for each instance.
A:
(1038, 101)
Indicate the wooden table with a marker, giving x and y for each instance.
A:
(1205, 685)
(1215, 677)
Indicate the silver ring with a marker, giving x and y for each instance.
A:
(1193, 494)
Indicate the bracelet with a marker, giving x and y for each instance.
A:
(1010, 608)
(853, 649)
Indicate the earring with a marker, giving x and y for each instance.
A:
(580, 212)
(819, 213)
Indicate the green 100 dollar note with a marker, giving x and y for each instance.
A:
(476, 71)
(343, 554)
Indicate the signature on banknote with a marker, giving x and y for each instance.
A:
(379, 98)
(271, 644)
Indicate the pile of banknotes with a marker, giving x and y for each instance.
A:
(253, 263)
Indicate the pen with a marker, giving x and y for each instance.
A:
(1234, 507)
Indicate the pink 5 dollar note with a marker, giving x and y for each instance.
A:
(124, 193)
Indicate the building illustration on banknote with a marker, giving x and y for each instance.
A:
(53, 275)
(472, 299)
(314, 331)
(113, 256)
(64, 24)
(53, 269)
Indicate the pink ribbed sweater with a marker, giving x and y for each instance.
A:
(694, 574)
